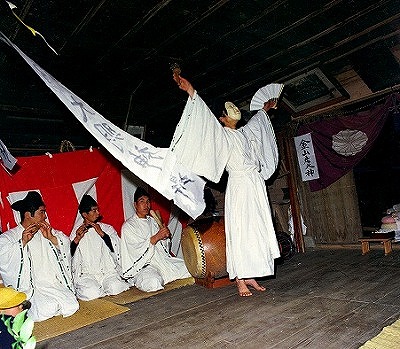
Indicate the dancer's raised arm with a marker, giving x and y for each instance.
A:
(184, 84)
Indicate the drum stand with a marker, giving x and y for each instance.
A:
(211, 282)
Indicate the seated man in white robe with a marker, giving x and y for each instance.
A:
(146, 260)
(95, 255)
(35, 259)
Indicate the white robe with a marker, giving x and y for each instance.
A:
(95, 269)
(41, 270)
(250, 156)
(148, 266)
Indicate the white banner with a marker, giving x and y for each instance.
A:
(155, 166)
(306, 157)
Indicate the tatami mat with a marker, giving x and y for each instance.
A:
(133, 294)
(89, 312)
(388, 338)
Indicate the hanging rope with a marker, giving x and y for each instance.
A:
(66, 146)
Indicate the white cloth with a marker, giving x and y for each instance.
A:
(250, 155)
(149, 267)
(41, 270)
(156, 166)
(95, 269)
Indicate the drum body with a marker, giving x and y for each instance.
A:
(203, 248)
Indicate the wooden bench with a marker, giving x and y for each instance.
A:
(387, 244)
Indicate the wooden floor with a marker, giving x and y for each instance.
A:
(324, 298)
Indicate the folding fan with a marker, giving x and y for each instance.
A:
(264, 94)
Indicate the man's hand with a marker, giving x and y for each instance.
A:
(46, 231)
(162, 234)
(80, 233)
(271, 104)
(29, 233)
(95, 226)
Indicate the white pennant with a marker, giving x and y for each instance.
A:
(155, 166)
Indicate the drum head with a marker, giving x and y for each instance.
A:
(203, 248)
(193, 252)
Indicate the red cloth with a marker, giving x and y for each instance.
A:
(55, 178)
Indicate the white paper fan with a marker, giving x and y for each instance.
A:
(264, 94)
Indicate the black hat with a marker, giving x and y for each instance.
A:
(139, 193)
(86, 204)
(30, 203)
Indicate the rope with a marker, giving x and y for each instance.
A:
(66, 146)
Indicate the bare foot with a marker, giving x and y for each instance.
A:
(253, 283)
(242, 288)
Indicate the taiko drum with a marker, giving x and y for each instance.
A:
(203, 248)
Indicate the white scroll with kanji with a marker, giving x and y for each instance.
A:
(306, 157)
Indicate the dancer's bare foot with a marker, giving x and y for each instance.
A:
(242, 288)
(253, 283)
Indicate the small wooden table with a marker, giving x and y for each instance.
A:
(387, 244)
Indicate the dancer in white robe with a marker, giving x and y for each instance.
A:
(146, 260)
(35, 259)
(95, 249)
(250, 156)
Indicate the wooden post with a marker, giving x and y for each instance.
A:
(294, 201)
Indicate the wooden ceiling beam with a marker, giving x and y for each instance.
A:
(183, 30)
(328, 31)
(24, 110)
(315, 56)
(275, 35)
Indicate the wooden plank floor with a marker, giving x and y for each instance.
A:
(324, 298)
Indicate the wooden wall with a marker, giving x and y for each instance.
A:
(332, 214)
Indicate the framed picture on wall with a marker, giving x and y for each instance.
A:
(311, 91)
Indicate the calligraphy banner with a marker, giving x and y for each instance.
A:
(306, 157)
(155, 166)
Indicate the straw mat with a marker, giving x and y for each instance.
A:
(133, 294)
(389, 338)
(89, 312)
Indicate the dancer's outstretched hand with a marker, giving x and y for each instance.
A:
(184, 84)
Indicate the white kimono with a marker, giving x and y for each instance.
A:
(41, 270)
(95, 269)
(149, 267)
(250, 156)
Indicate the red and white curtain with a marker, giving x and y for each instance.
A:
(62, 179)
